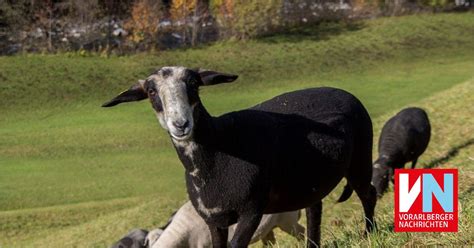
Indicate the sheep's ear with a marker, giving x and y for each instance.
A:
(213, 77)
(134, 93)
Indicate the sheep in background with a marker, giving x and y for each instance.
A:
(187, 229)
(404, 138)
(282, 155)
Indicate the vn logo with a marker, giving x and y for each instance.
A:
(426, 200)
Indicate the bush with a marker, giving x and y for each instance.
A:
(143, 22)
(247, 18)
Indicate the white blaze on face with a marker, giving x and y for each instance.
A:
(177, 111)
(207, 211)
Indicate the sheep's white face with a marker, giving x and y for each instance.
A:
(173, 92)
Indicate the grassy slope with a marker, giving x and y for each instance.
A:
(63, 159)
(342, 223)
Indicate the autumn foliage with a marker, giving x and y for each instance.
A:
(247, 18)
(131, 25)
(144, 19)
(182, 9)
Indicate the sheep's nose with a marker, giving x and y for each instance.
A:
(181, 125)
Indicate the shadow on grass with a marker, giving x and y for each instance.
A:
(314, 32)
(451, 153)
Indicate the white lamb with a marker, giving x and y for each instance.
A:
(187, 229)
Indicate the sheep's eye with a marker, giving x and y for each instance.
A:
(152, 92)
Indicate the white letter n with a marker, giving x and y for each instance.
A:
(407, 197)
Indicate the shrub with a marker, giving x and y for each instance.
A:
(143, 22)
(247, 18)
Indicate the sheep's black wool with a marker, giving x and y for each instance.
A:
(281, 155)
(404, 138)
(284, 154)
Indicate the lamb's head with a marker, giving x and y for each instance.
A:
(173, 93)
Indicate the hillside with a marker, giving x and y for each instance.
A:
(75, 174)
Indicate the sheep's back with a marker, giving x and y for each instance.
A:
(323, 104)
(335, 115)
(319, 131)
(405, 136)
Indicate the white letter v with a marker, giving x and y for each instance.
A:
(407, 197)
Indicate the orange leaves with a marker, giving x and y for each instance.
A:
(180, 9)
(144, 19)
(224, 7)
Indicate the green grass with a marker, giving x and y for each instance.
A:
(85, 174)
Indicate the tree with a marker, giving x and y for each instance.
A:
(181, 10)
(144, 19)
(201, 15)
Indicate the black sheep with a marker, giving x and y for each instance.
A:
(282, 155)
(403, 139)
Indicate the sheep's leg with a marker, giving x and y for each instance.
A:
(368, 197)
(245, 229)
(219, 236)
(413, 164)
(269, 239)
(359, 178)
(313, 216)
